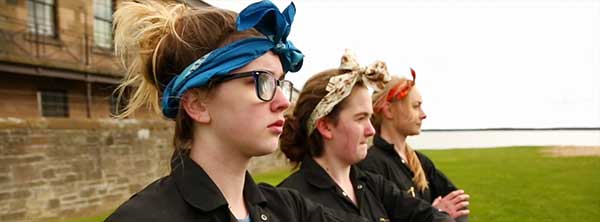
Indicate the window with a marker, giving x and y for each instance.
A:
(54, 103)
(103, 23)
(41, 17)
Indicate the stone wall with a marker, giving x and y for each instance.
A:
(67, 168)
(57, 168)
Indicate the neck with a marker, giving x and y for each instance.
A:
(225, 166)
(338, 171)
(389, 135)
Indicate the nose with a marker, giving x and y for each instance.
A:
(423, 115)
(370, 130)
(279, 103)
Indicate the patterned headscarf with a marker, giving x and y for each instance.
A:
(340, 86)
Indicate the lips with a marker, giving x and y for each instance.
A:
(278, 123)
(276, 127)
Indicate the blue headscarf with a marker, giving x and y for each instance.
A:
(265, 17)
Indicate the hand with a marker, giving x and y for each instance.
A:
(454, 203)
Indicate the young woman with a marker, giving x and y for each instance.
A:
(397, 115)
(212, 72)
(328, 132)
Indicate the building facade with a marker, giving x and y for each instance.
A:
(56, 58)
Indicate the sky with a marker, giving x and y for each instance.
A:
(479, 64)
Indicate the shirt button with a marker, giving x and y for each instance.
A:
(359, 186)
(263, 217)
(344, 193)
(403, 161)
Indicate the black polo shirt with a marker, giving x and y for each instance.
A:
(377, 199)
(383, 159)
(188, 194)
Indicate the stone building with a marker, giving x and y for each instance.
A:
(56, 59)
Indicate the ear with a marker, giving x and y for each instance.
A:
(324, 127)
(195, 107)
(387, 110)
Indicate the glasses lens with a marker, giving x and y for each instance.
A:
(266, 86)
(286, 88)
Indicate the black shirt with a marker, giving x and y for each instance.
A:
(377, 199)
(383, 159)
(188, 194)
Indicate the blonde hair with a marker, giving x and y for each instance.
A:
(157, 40)
(414, 163)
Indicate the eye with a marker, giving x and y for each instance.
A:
(363, 117)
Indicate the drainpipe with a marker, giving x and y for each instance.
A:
(88, 100)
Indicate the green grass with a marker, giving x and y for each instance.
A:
(96, 218)
(509, 184)
(273, 177)
(521, 184)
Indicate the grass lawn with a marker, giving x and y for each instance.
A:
(516, 183)
(97, 218)
(509, 184)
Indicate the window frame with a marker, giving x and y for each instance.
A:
(99, 18)
(60, 110)
(33, 19)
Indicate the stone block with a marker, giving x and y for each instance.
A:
(32, 159)
(21, 194)
(4, 196)
(53, 203)
(25, 173)
(93, 200)
(13, 216)
(87, 192)
(9, 160)
(39, 139)
(48, 174)
(133, 188)
(71, 178)
(4, 179)
(13, 148)
(68, 198)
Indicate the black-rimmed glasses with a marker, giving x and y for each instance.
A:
(264, 82)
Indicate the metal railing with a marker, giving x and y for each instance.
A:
(68, 49)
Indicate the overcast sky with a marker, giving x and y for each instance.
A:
(479, 64)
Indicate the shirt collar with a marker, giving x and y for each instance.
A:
(198, 190)
(317, 176)
(383, 144)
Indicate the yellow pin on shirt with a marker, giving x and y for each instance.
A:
(411, 191)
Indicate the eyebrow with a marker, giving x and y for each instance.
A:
(362, 114)
(282, 76)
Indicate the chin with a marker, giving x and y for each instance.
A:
(261, 151)
(265, 149)
(361, 155)
(413, 132)
(358, 158)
